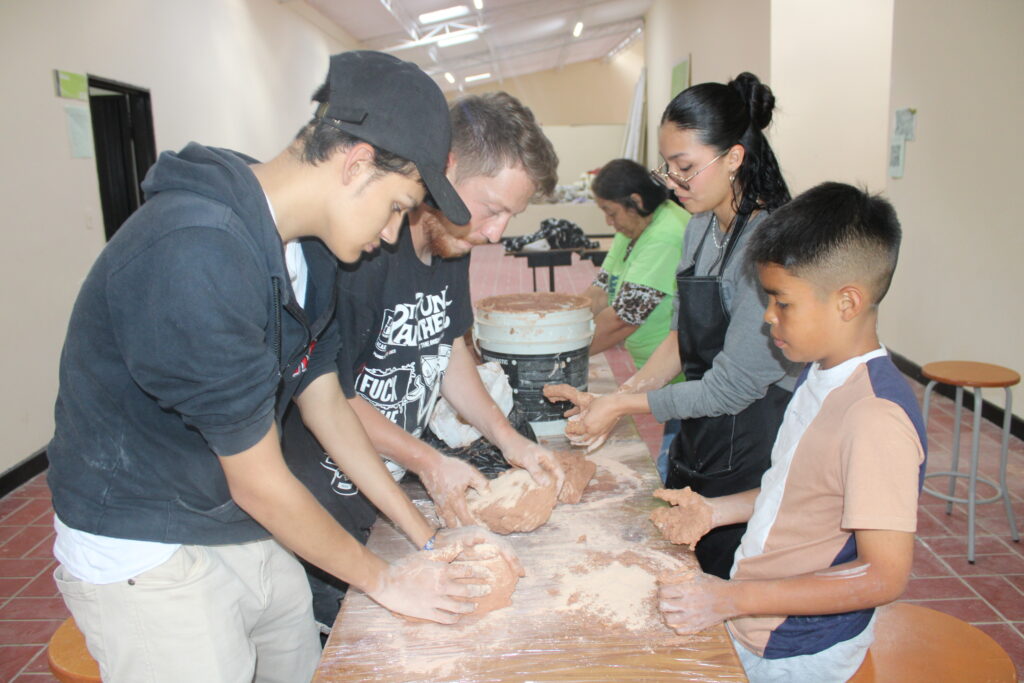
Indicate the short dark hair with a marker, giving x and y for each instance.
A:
(619, 179)
(318, 139)
(494, 131)
(832, 234)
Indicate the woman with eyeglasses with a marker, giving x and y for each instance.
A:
(722, 169)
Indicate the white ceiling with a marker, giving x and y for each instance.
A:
(517, 37)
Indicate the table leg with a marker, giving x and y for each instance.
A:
(551, 278)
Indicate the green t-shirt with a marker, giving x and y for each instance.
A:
(651, 263)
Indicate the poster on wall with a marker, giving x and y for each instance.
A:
(680, 77)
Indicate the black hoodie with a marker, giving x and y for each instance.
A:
(185, 343)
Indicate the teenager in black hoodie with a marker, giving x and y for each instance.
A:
(208, 312)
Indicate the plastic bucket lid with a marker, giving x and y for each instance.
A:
(533, 324)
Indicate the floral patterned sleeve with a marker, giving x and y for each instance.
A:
(602, 280)
(635, 302)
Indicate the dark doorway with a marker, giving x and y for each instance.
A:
(122, 130)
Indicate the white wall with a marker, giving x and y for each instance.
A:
(721, 37)
(234, 73)
(957, 291)
(830, 75)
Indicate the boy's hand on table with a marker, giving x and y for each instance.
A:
(446, 480)
(691, 601)
(423, 585)
(688, 520)
(540, 462)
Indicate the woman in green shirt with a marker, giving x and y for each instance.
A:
(632, 295)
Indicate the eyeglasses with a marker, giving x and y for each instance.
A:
(662, 174)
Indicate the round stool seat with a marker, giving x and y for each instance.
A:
(967, 373)
(915, 644)
(68, 657)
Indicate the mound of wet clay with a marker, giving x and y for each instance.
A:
(578, 473)
(500, 576)
(515, 503)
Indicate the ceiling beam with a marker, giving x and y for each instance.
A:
(474, 61)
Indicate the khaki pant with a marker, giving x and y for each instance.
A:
(217, 614)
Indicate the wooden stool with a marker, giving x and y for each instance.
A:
(975, 375)
(914, 643)
(69, 659)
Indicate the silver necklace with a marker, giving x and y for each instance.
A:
(714, 233)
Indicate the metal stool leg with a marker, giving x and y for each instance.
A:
(956, 445)
(972, 491)
(1004, 488)
(927, 402)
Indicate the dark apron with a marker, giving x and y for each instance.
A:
(716, 456)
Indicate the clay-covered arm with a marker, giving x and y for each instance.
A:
(464, 389)
(446, 479)
(421, 584)
(693, 601)
(661, 368)
(330, 418)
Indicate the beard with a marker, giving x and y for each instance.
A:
(445, 239)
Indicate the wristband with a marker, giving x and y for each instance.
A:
(429, 545)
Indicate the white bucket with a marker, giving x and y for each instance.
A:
(539, 338)
(534, 324)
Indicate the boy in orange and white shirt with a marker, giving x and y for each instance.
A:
(831, 530)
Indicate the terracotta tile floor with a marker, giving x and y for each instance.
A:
(989, 594)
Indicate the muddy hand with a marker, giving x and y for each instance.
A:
(691, 601)
(469, 536)
(689, 518)
(540, 462)
(447, 480)
(566, 392)
(424, 585)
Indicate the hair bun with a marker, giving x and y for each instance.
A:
(758, 96)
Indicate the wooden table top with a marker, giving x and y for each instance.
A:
(585, 611)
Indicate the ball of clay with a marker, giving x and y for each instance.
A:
(578, 473)
(499, 574)
(514, 503)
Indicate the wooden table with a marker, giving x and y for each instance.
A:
(586, 611)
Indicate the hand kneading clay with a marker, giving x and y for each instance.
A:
(486, 556)
(514, 503)
(578, 473)
(677, 525)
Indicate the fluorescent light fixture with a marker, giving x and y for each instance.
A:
(577, 29)
(445, 14)
(477, 77)
(458, 38)
(479, 4)
(448, 77)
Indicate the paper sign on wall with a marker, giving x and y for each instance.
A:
(71, 85)
(906, 120)
(680, 77)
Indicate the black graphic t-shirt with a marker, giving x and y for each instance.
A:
(398, 318)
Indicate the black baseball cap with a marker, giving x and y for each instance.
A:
(394, 105)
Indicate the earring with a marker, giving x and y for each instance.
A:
(732, 178)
